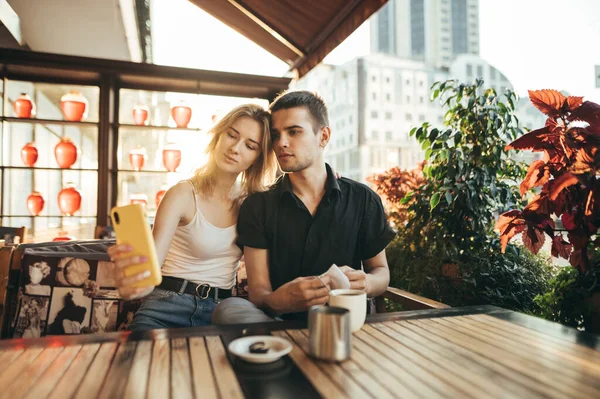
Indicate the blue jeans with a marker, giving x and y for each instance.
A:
(169, 309)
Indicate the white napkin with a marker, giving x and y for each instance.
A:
(338, 279)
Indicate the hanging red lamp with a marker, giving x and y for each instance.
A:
(171, 157)
(137, 158)
(29, 154)
(182, 114)
(65, 153)
(140, 115)
(23, 106)
(69, 200)
(74, 106)
(35, 203)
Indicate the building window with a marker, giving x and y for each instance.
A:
(388, 116)
(375, 135)
(374, 114)
(408, 117)
(420, 83)
(469, 70)
(374, 96)
(492, 73)
(421, 100)
(350, 119)
(421, 118)
(351, 139)
(388, 97)
(407, 82)
(387, 79)
(479, 71)
(388, 136)
(408, 99)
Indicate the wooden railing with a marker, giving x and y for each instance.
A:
(407, 299)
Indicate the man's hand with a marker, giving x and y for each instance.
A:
(358, 278)
(300, 294)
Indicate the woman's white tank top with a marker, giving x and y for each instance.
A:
(203, 253)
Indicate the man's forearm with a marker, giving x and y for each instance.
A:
(267, 301)
(378, 281)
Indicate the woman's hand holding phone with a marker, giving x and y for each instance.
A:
(121, 255)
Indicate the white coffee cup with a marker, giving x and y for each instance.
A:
(353, 300)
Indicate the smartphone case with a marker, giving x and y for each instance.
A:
(132, 228)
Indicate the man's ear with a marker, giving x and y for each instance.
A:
(325, 135)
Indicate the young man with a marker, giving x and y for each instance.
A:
(305, 223)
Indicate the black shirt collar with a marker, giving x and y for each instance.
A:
(331, 185)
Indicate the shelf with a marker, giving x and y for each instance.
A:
(49, 168)
(128, 126)
(48, 216)
(34, 121)
(144, 171)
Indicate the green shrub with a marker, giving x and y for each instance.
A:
(486, 277)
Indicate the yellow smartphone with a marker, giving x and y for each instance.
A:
(131, 227)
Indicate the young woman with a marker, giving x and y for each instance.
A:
(195, 226)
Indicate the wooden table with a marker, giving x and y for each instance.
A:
(460, 352)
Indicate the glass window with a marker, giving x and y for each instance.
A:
(374, 114)
(408, 117)
(469, 70)
(388, 115)
(388, 136)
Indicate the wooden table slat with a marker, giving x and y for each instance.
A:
(413, 375)
(537, 359)
(28, 377)
(94, 378)
(227, 382)
(499, 378)
(181, 376)
(48, 380)
(529, 379)
(18, 365)
(463, 369)
(140, 368)
(498, 355)
(514, 330)
(361, 374)
(118, 375)
(591, 366)
(202, 373)
(160, 375)
(7, 356)
(430, 372)
(315, 375)
(69, 382)
(396, 378)
(344, 381)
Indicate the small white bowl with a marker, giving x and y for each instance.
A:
(277, 346)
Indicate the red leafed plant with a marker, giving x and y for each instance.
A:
(568, 177)
(393, 185)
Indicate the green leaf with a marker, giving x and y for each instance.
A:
(412, 132)
(435, 200)
(449, 197)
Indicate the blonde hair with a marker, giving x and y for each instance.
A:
(259, 175)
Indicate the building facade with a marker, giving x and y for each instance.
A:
(432, 31)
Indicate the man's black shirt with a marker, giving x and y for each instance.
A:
(348, 227)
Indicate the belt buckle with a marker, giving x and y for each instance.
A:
(207, 291)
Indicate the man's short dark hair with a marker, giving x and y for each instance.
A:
(303, 98)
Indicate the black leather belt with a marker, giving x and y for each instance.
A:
(202, 291)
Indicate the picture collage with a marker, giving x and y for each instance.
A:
(62, 296)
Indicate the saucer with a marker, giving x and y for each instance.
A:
(277, 346)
